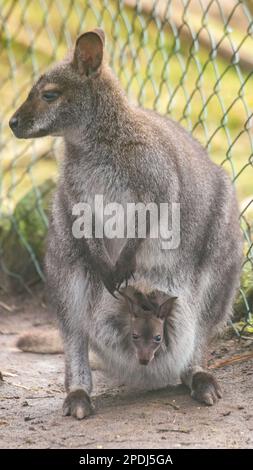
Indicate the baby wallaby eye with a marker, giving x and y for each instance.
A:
(51, 95)
(157, 338)
(135, 336)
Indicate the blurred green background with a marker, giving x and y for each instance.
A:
(189, 59)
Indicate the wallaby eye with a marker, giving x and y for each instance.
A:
(157, 338)
(50, 96)
(135, 336)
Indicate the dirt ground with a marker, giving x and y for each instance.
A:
(32, 393)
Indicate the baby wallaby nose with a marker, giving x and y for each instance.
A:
(144, 362)
(13, 123)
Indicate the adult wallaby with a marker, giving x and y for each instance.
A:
(128, 154)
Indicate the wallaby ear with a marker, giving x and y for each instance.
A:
(165, 308)
(88, 54)
(129, 298)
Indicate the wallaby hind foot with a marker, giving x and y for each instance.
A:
(205, 388)
(77, 404)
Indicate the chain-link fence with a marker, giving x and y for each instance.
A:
(191, 59)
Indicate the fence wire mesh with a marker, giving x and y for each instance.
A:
(191, 59)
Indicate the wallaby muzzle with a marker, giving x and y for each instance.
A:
(21, 123)
(15, 126)
(145, 358)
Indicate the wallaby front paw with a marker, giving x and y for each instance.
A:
(205, 388)
(107, 277)
(124, 270)
(77, 404)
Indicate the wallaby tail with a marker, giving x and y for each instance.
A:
(41, 342)
(49, 342)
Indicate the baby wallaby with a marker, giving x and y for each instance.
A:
(147, 324)
(148, 318)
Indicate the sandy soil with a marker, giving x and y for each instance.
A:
(32, 392)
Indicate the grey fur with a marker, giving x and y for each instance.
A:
(130, 154)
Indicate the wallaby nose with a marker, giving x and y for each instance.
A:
(144, 362)
(13, 123)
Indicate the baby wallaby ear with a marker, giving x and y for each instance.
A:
(165, 308)
(88, 54)
(128, 294)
